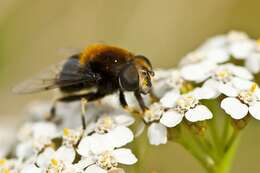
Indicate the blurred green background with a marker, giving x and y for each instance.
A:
(34, 34)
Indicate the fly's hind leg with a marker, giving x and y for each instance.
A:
(83, 112)
(84, 98)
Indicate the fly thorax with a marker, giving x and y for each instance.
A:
(107, 161)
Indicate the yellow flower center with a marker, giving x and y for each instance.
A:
(185, 103)
(107, 161)
(258, 42)
(253, 87)
(186, 87)
(2, 161)
(105, 124)
(66, 132)
(247, 96)
(54, 162)
(6, 171)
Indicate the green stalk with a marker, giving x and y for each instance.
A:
(204, 159)
(140, 147)
(224, 165)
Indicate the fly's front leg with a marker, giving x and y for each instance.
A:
(123, 100)
(140, 101)
(125, 105)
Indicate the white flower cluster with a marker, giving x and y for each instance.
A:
(207, 73)
(50, 147)
(210, 72)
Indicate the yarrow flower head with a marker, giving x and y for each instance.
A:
(110, 131)
(100, 156)
(9, 166)
(51, 161)
(34, 138)
(187, 106)
(245, 100)
(223, 79)
(171, 110)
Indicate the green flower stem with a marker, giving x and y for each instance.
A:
(224, 165)
(195, 144)
(204, 159)
(140, 148)
(215, 157)
(226, 131)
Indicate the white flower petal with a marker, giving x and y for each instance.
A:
(199, 113)
(205, 92)
(197, 72)
(124, 156)
(218, 55)
(84, 162)
(84, 147)
(241, 84)
(234, 107)
(44, 158)
(65, 154)
(124, 120)
(169, 99)
(120, 136)
(31, 169)
(237, 36)
(95, 169)
(241, 49)
(157, 134)
(44, 129)
(171, 118)
(253, 62)
(255, 110)
(100, 143)
(228, 89)
(215, 42)
(24, 150)
(240, 71)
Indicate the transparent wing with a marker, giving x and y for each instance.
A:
(66, 73)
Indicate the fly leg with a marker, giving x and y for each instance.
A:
(141, 101)
(123, 100)
(125, 105)
(84, 98)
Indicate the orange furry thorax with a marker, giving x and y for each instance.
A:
(94, 50)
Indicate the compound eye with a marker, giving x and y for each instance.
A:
(129, 78)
